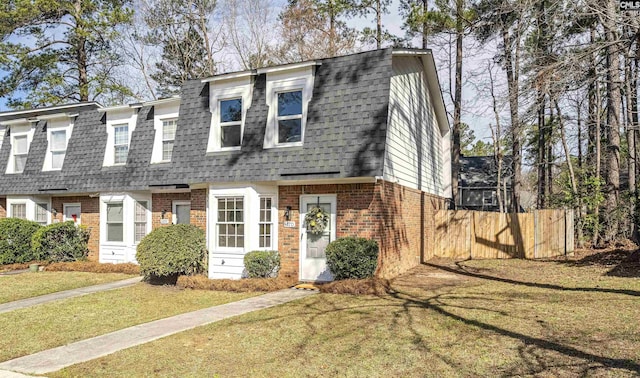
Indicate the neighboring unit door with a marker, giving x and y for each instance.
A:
(71, 212)
(313, 262)
(181, 212)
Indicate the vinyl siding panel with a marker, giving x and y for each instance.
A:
(414, 146)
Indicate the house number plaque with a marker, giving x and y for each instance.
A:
(290, 224)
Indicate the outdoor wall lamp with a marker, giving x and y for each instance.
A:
(164, 212)
(54, 212)
(287, 213)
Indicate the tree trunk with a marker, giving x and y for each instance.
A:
(457, 103)
(425, 23)
(542, 185)
(378, 24)
(631, 143)
(613, 121)
(512, 66)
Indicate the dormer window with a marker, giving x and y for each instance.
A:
(58, 148)
(231, 122)
(289, 117)
(20, 153)
(120, 144)
(229, 100)
(168, 137)
(289, 91)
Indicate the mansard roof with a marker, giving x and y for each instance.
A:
(344, 137)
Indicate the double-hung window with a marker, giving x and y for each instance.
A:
(58, 148)
(115, 222)
(42, 212)
(231, 222)
(20, 152)
(289, 117)
(140, 220)
(120, 144)
(168, 137)
(19, 210)
(230, 122)
(266, 226)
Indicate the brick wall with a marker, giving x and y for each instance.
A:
(164, 201)
(399, 218)
(3, 208)
(89, 216)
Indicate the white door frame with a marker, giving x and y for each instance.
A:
(304, 200)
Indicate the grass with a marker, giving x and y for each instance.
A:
(27, 285)
(46, 326)
(477, 318)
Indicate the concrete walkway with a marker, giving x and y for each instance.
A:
(28, 302)
(57, 358)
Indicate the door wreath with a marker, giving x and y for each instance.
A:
(316, 220)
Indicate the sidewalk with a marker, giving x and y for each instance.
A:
(57, 358)
(28, 302)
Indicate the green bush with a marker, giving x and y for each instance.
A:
(61, 242)
(172, 250)
(262, 264)
(352, 258)
(15, 240)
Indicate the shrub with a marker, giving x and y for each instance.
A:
(15, 240)
(262, 264)
(352, 257)
(93, 267)
(59, 242)
(171, 251)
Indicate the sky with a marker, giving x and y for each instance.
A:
(477, 111)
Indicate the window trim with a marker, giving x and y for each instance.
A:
(11, 208)
(298, 79)
(271, 222)
(16, 154)
(163, 140)
(115, 146)
(107, 223)
(136, 202)
(243, 223)
(229, 89)
(231, 123)
(47, 212)
(63, 151)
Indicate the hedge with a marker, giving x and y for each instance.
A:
(15, 240)
(61, 242)
(352, 257)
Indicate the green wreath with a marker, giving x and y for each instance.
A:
(316, 220)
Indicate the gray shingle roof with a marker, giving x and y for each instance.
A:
(482, 171)
(344, 137)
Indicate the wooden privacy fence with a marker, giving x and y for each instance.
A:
(464, 234)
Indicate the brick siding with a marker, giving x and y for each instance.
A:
(89, 217)
(399, 218)
(3, 208)
(164, 201)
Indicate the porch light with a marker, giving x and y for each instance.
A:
(287, 213)
(164, 212)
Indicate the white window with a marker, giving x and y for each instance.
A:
(20, 152)
(19, 210)
(231, 222)
(230, 122)
(288, 93)
(42, 213)
(265, 224)
(120, 144)
(115, 225)
(58, 148)
(168, 137)
(140, 221)
(289, 117)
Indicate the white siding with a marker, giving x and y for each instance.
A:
(416, 148)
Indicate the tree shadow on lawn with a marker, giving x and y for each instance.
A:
(622, 262)
(461, 269)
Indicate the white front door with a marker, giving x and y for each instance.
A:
(72, 211)
(313, 262)
(181, 212)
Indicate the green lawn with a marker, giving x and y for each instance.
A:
(497, 318)
(27, 285)
(58, 323)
